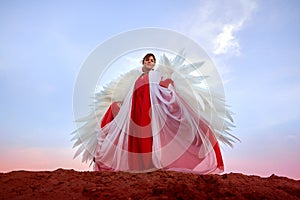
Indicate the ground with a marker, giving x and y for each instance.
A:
(70, 184)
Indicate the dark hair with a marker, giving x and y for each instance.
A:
(147, 56)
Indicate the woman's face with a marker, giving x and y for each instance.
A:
(149, 62)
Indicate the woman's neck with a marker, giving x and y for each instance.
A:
(145, 70)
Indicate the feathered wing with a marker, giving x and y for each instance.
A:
(209, 104)
(85, 137)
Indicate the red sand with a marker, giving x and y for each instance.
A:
(70, 184)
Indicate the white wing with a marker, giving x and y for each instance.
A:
(85, 137)
(209, 104)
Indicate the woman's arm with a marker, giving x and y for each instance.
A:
(166, 83)
(111, 113)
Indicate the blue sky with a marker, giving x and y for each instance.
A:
(254, 44)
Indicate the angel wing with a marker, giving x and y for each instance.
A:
(209, 104)
(85, 137)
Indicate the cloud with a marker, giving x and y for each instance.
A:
(215, 24)
(226, 41)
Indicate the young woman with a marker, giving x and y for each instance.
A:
(154, 126)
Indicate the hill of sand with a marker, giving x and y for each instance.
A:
(70, 184)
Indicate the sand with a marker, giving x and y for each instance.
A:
(70, 184)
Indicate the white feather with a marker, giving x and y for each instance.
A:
(212, 104)
(85, 137)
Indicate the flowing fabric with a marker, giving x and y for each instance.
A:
(155, 128)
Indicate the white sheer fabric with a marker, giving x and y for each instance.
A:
(182, 140)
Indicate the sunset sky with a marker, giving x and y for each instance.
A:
(254, 44)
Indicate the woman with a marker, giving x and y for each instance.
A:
(154, 126)
(140, 135)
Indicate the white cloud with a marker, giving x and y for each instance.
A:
(214, 24)
(226, 41)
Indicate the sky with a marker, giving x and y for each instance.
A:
(254, 45)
